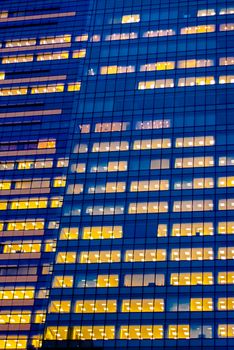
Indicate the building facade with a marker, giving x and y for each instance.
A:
(117, 174)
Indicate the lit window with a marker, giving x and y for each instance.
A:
(226, 331)
(63, 282)
(145, 280)
(151, 144)
(201, 304)
(153, 124)
(198, 29)
(226, 204)
(121, 36)
(32, 203)
(62, 163)
(192, 279)
(98, 257)
(148, 207)
(192, 81)
(156, 84)
(150, 185)
(60, 306)
(227, 11)
(130, 19)
(226, 79)
(27, 247)
(197, 183)
(226, 253)
(108, 187)
(14, 342)
(60, 39)
(93, 332)
(106, 281)
(72, 87)
(225, 304)
(226, 27)
(226, 61)
(206, 12)
(17, 293)
(108, 210)
(111, 127)
(158, 33)
(226, 161)
(194, 162)
(56, 333)
(117, 69)
(190, 205)
(20, 43)
(110, 146)
(40, 316)
(17, 59)
(59, 182)
(46, 89)
(69, 233)
(13, 91)
(102, 232)
(162, 230)
(95, 306)
(226, 277)
(66, 258)
(15, 317)
(193, 229)
(79, 53)
(179, 331)
(157, 66)
(50, 56)
(198, 141)
(192, 254)
(195, 63)
(141, 332)
(83, 37)
(145, 255)
(226, 228)
(143, 305)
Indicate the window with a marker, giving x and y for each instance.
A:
(226, 61)
(201, 304)
(60, 306)
(121, 36)
(95, 306)
(130, 19)
(151, 144)
(194, 162)
(193, 229)
(13, 91)
(145, 255)
(226, 253)
(206, 12)
(69, 233)
(141, 332)
(227, 11)
(110, 146)
(226, 204)
(72, 87)
(191, 279)
(25, 225)
(226, 27)
(192, 81)
(198, 141)
(51, 56)
(106, 281)
(225, 304)
(93, 332)
(157, 66)
(157, 33)
(20, 42)
(146, 280)
(60, 39)
(156, 84)
(32, 203)
(15, 317)
(102, 232)
(104, 256)
(59, 182)
(153, 124)
(46, 89)
(108, 187)
(226, 277)
(143, 305)
(79, 53)
(194, 63)
(56, 333)
(157, 164)
(17, 59)
(83, 37)
(179, 331)
(226, 228)
(198, 29)
(63, 282)
(117, 69)
(196, 205)
(14, 342)
(226, 79)
(197, 183)
(111, 127)
(226, 161)
(226, 330)
(108, 210)
(162, 230)
(26, 247)
(66, 258)
(17, 293)
(192, 254)
(148, 207)
(150, 185)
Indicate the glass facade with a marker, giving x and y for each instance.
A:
(117, 174)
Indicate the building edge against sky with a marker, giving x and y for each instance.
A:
(116, 173)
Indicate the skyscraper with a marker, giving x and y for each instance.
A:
(117, 178)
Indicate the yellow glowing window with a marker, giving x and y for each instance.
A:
(197, 141)
(192, 254)
(22, 248)
(32, 203)
(83, 37)
(110, 146)
(13, 91)
(104, 281)
(46, 144)
(191, 279)
(162, 230)
(108, 187)
(226, 253)
(226, 277)
(102, 232)
(192, 81)
(20, 42)
(193, 229)
(79, 53)
(206, 12)
(25, 225)
(15, 317)
(59, 182)
(226, 61)
(156, 84)
(66, 258)
(157, 66)
(93, 332)
(14, 342)
(145, 255)
(27, 293)
(7, 165)
(226, 27)
(56, 333)
(25, 165)
(74, 87)
(117, 166)
(37, 341)
(151, 144)
(150, 207)
(198, 29)
(141, 332)
(227, 11)
(196, 205)
(17, 59)
(143, 305)
(50, 56)
(117, 69)
(56, 202)
(5, 185)
(1, 226)
(50, 246)
(40, 316)
(130, 19)
(95, 306)
(3, 205)
(63, 282)
(226, 204)
(179, 331)
(225, 304)
(226, 331)
(104, 256)
(226, 228)
(3, 14)
(60, 306)
(47, 89)
(195, 63)
(195, 162)
(150, 185)
(201, 304)
(61, 39)
(226, 181)
(69, 233)
(226, 79)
